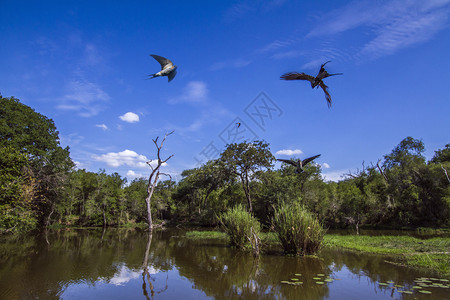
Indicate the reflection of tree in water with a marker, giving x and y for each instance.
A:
(146, 273)
(226, 273)
(31, 268)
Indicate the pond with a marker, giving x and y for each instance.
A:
(97, 264)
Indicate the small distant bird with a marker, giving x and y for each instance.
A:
(167, 68)
(299, 164)
(238, 124)
(315, 81)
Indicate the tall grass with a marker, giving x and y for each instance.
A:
(298, 230)
(242, 228)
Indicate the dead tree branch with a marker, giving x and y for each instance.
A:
(154, 176)
(381, 171)
(445, 172)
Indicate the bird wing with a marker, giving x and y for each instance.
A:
(307, 160)
(164, 62)
(327, 94)
(172, 75)
(288, 161)
(297, 76)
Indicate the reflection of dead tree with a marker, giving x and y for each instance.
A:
(146, 273)
(154, 176)
(254, 242)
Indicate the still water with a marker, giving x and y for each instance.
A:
(130, 264)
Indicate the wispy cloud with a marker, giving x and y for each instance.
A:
(84, 97)
(130, 117)
(102, 126)
(326, 166)
(194, 92)
(394, 24)
(241, 9)
(237, 63)
(289, 152)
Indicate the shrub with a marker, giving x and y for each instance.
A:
(240, 226)
(298, 230)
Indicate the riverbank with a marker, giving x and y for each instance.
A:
(428, 254)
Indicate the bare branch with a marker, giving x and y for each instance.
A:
(166, 175)
(381, 171)
(445, 172)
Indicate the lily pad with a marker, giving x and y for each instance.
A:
(320, 282)
(298, 274)
(317, 278)
(405, 292)
(329, 280)
(390, 281)
(417, 287)
(424, 292)
(382, 283)
(444, 280)
(285, 282)
(321, 275)
(294, 279)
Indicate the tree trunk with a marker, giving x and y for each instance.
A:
(150, 190)
(246, 186)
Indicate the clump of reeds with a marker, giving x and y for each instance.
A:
(298, 230)
(242, 228)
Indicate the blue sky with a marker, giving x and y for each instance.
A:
(85, 63)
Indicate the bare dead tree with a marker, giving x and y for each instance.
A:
(445, 172)
(154, 176)
(381, 171)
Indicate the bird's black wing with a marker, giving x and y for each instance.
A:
(327, 94)
(288, 161)
(297, 76)
(172, 75)
(164, 62)
(307, 160)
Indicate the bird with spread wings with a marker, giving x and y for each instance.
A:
(167, 68)
(299, 164)
(315, 81)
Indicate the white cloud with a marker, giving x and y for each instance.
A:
(130, 117)
(334, 176)
(133, 174)
(194, 92)
(86, 98)
(289, 152)
(326, 166)
(125, 158)
(102, 126)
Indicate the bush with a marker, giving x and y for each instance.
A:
(298, 230)
(240, 226)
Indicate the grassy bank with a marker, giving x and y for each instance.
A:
(430, 254)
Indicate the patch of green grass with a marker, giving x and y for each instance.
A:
(430, 253)
(206, 235)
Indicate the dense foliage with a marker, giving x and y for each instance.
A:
(38, 185)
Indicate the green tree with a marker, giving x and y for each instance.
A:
(35, 136)
(247, 160)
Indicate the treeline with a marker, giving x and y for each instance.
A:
(40, 187)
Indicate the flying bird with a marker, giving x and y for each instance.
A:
(167, 68)
(238, 124)
(315, 81)
(299, 164)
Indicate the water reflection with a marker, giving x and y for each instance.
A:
(129, 264)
